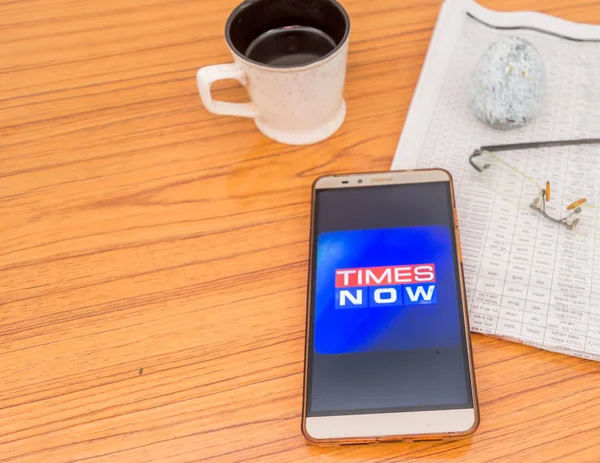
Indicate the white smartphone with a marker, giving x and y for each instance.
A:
(388, 352)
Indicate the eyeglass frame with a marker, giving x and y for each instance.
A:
(575, 207)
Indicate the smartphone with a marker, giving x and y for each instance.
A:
(388, 352)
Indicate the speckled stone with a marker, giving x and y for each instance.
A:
(508, 84)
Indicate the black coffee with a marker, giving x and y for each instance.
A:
(290, 46)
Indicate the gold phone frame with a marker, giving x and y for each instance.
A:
(377, 179)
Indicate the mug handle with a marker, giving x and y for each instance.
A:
(209, 74)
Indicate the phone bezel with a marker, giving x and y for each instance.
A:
(420, 425)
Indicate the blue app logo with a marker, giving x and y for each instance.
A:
(385, 296)
(385, 289)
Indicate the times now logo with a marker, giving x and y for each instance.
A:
(385, 286)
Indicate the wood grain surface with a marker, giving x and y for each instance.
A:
(153, 256)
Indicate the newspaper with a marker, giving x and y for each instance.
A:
(528, 280)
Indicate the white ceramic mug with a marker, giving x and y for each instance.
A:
(293, 104)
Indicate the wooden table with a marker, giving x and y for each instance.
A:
(153, 256)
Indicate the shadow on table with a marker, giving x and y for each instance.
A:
(393, 451)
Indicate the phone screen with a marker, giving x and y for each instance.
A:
(387, 330)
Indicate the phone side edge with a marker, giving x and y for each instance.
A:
(467, 326)
(315, 187)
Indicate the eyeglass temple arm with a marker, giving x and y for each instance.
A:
(475, 154)
(525, 146)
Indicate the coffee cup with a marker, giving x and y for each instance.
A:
(291, 57)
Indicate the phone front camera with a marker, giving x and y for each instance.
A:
(360, 181)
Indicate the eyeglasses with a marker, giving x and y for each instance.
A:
(570, 220)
